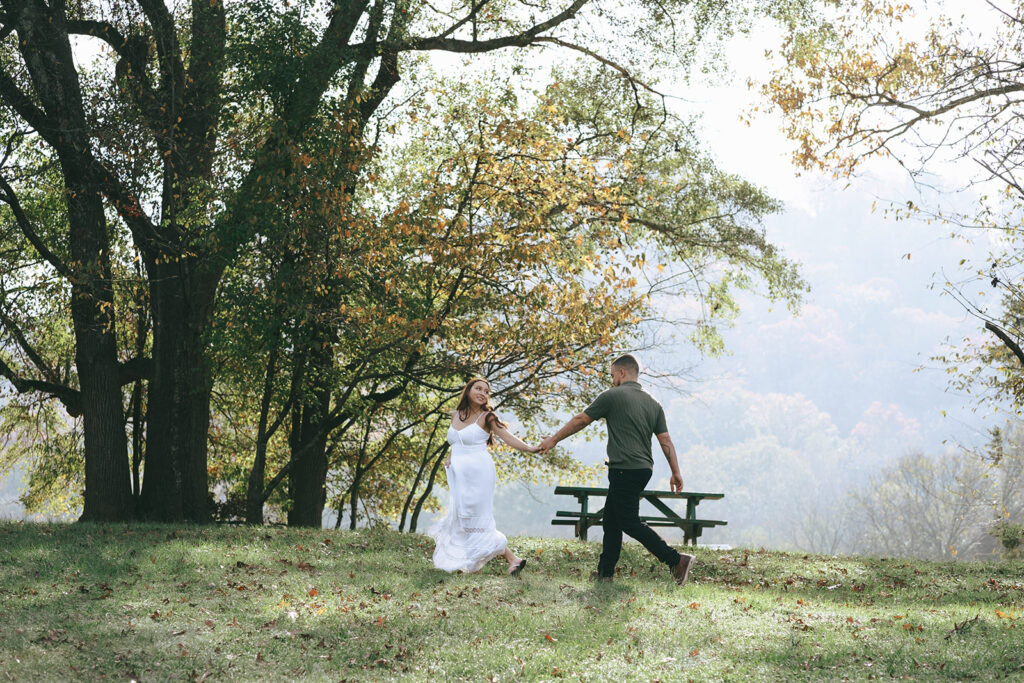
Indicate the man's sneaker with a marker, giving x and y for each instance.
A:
(682, 570)
(594, 576)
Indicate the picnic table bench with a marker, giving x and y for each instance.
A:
(583, 518)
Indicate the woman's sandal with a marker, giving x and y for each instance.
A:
(519, 568)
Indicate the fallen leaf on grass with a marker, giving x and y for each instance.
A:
(550, 639)
(313, 593)
(694, 652)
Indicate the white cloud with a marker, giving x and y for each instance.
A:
(877, 290)
(815, 326)
(921, 317)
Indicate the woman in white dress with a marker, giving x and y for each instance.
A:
(466, 538)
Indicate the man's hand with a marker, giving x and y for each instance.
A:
(546, 444)
(676, 482)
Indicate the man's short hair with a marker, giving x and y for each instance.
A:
(627, 363)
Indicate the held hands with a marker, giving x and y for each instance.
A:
(546, 444)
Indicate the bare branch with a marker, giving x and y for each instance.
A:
(522, 39)
(630, 78)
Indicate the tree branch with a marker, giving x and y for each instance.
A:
(474, 10)
(632, 80)
(49, 373)
(387, 77)
(887, 100)
(9, 197)
(135, 369)
(103, 30)
(69, 397)
(26, 108)
(474, 46)
(1005, 338)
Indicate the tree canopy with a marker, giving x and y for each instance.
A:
(255, 243)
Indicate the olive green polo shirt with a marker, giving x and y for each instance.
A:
(632, 416)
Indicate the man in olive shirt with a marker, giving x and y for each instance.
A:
(632, 416)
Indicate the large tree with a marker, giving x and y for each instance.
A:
(188, 141)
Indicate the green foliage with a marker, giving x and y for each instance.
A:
(39, 437)
(1010, 535)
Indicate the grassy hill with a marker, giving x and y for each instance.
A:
(232, 603)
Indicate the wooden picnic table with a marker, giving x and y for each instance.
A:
(583, 518)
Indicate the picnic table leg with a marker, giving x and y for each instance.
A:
(692, 531)
(671, 516)
(584, 523)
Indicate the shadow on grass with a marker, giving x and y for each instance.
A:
(856, 581)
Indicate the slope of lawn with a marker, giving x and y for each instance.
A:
(151, 602)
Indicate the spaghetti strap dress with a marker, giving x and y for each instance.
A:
(466, 537)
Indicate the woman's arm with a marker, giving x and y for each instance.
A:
(513, 441)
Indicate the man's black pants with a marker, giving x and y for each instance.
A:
(622, 515)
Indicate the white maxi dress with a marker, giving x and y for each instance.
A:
(466, 537)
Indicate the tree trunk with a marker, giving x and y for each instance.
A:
(107, 479)
(419, 476)
(307, 481)
(341, 511)
(108, 495)
(46, 49)
(175, 486)
(426, 493)
(254, 491)
(353, 504)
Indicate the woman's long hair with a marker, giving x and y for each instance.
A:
(491, 422)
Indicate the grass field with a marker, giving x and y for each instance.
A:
(83, 602)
